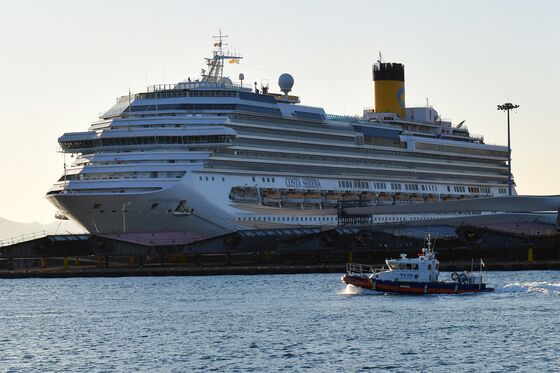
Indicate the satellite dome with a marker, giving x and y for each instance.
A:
(286, 82)
(225, 80)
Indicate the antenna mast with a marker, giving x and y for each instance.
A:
(216, 63)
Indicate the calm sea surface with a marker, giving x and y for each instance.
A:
(283, 323)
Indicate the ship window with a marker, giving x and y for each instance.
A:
(429, 267)
(223, 179)
(263, 179)
(212, 178)
(253, 178)
(272, 179)
(96, 206)
(415, 266)
(437, 266)
(408, 266)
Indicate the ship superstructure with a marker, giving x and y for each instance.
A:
(210, 156)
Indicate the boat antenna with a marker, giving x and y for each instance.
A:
(216, 63)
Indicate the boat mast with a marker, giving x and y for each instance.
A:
(216, 63)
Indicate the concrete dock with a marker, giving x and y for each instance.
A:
(277, 251)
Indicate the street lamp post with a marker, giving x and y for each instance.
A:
(507, 107)
(124, 216)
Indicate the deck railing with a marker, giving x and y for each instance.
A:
(24, 237)
(360, 269)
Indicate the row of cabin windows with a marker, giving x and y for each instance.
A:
(335, 161)
(353, 184)
(264, 179)
(144, 140)
(344, 150)
(124, 175)
(401, 218)
(458, 149)
(202, 107)
(183, 93)
(210, 178)
(477, 190)
(289, 218)
(459, 189)
(411, 186)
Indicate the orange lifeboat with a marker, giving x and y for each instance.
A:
(332, 198)
(271, 198)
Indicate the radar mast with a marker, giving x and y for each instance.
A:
(216, 63)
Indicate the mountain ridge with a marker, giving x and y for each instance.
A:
(10, 229)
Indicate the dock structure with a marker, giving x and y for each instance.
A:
(294, 250)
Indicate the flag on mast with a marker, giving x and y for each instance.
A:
(482, 263)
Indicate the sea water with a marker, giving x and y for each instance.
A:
(278, 323)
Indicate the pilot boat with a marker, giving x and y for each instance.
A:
(414, 276)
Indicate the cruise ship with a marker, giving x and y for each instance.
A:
(210, 156)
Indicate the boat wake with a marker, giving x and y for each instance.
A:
(543, 287)
(355, 290)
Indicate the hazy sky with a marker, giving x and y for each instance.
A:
(64, 62)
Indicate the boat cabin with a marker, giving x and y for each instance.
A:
(424, 268)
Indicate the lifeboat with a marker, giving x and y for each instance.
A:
(331, 199)
(402, 197)
(431, 198)
(272, 198)
(350, 196)
(312, 198)
(385, 198)
(244, 194)
(366, 196)
(294, 198)
(415, 198)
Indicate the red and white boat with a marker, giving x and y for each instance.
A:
(414, 276)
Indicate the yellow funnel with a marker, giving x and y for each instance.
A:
(388, 80)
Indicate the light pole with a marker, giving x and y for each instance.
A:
(507, 107)
(123, 215)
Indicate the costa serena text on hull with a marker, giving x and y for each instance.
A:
(210, 156)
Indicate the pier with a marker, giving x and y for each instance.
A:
(523, 245)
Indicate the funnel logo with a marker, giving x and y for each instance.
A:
(400, 97)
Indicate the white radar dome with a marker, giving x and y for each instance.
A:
(225, 80)
(286, 82)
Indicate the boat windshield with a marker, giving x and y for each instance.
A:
(409, 266)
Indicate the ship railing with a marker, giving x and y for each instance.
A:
(343, 118)
(361, 269)
(24, 237)
(196, 85)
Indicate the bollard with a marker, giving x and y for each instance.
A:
(349, 257)
(530, 254)
(77, 261)
(131, 260)
(65, 263)
(43, 262)
(99, 261)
